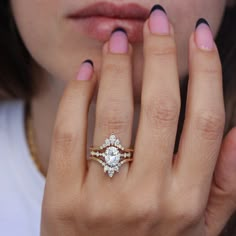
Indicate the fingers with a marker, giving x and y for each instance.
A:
(114, 108)
(160, 101)
(68, 155)
(204, 118)
(222, 200)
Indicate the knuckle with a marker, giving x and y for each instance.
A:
(64, 139)
(150, 214)
(119, 68)
(212, 67)
(115, 118)
(189, 214)
(161, 112)
(95, 213)
(164, 47)
(145, 212)
(166, 51)
(212, 71)
(210, 125)
(56, 212)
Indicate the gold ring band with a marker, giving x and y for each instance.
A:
(103, 163)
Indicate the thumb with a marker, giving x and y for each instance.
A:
(222, 198)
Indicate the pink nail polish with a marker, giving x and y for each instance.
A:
(203, 35)
(85, 71)
(119, 42)
(158, 21)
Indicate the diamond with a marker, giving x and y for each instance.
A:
(107, 142)
(117, 142)
(112, 156)
(111, 172)
(112, 139)
(106, 168)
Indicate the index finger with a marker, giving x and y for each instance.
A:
(68, 155)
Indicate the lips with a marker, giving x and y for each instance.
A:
(100, 19)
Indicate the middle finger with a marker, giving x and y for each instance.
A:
(114, 109)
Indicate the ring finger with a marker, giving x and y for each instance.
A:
(114, 109)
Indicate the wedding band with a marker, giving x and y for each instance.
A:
(111, 155)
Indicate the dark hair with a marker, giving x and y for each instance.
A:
(15, 60)
(16, 82)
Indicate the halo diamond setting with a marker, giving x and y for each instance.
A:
(111, 155)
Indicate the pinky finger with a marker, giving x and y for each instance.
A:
(67, 163)
(222, 199)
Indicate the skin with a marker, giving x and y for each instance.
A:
(70, 49)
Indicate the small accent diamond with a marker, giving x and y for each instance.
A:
(106, 168)
(112, 139)
(111, 172)
(117, 142)
(107, 142)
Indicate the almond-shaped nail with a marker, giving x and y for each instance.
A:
(203, 35)
(119, 42)
(85, 70)
(158, 21)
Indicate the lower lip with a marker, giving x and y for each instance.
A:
(100, 28)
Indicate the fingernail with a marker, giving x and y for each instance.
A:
(85, 71)
(203, 35)
(119, 41)
(158, 21)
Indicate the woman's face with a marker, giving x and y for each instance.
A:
(59, 43)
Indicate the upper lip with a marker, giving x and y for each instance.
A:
(105, 9)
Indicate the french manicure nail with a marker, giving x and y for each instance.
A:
(85, 71)
(203, 35)
(158, 21)
(119, 42)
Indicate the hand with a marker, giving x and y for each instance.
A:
(156, 194)
(222, 199)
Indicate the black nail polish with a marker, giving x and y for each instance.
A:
(157, 7)
(201, 21)
(119, 29)
(89, 61)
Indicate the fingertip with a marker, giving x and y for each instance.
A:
(147, 31)
(199, 42)
(85, 71)
(106, 49)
